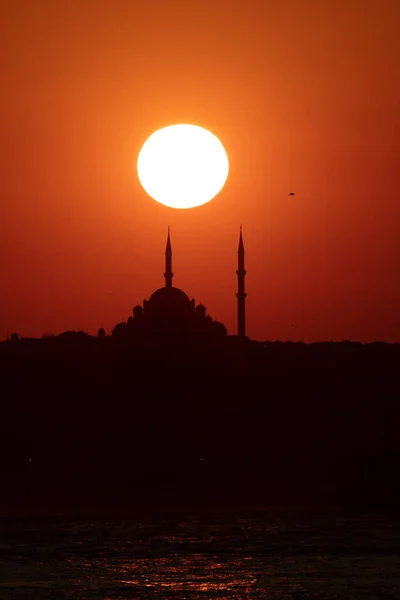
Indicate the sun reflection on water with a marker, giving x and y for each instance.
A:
(194, 573)
(269, 559)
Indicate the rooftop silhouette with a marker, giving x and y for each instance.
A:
(169, 311)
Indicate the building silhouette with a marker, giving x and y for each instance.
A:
(169, 311)
(241, 295)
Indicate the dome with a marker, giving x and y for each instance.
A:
(169, 301)
(171, 294)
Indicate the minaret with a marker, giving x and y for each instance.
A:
(168, 264)
(241, 295)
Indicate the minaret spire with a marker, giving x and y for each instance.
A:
(168, 263)
(241, 295)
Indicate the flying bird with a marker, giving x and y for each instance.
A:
(291, 194)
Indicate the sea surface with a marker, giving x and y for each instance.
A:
(198, 554)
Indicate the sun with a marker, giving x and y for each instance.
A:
(182, 166)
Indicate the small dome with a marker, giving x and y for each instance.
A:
(201, 311)
(137, 311)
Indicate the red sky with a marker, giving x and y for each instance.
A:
(303, 95)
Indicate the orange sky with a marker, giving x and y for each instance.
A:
(303, 95)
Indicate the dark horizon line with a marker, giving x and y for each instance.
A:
(83, 334)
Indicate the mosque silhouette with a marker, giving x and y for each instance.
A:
(170, 312)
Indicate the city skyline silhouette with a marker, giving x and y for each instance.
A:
(175, 294)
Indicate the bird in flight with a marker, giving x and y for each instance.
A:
(291, 194)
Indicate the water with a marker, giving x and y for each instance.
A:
(257, 553)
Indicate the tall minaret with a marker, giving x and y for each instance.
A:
(241, 295)
(168, 264)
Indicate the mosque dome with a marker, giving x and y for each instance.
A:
(170, 311)
(168, 301)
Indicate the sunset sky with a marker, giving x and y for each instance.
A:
(304, 95)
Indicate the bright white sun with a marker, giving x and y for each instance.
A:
(182, 166)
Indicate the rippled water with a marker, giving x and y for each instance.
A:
(254, 554)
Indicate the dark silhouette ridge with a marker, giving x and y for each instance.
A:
(171, 408)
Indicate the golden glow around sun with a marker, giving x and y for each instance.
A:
(182, 166)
